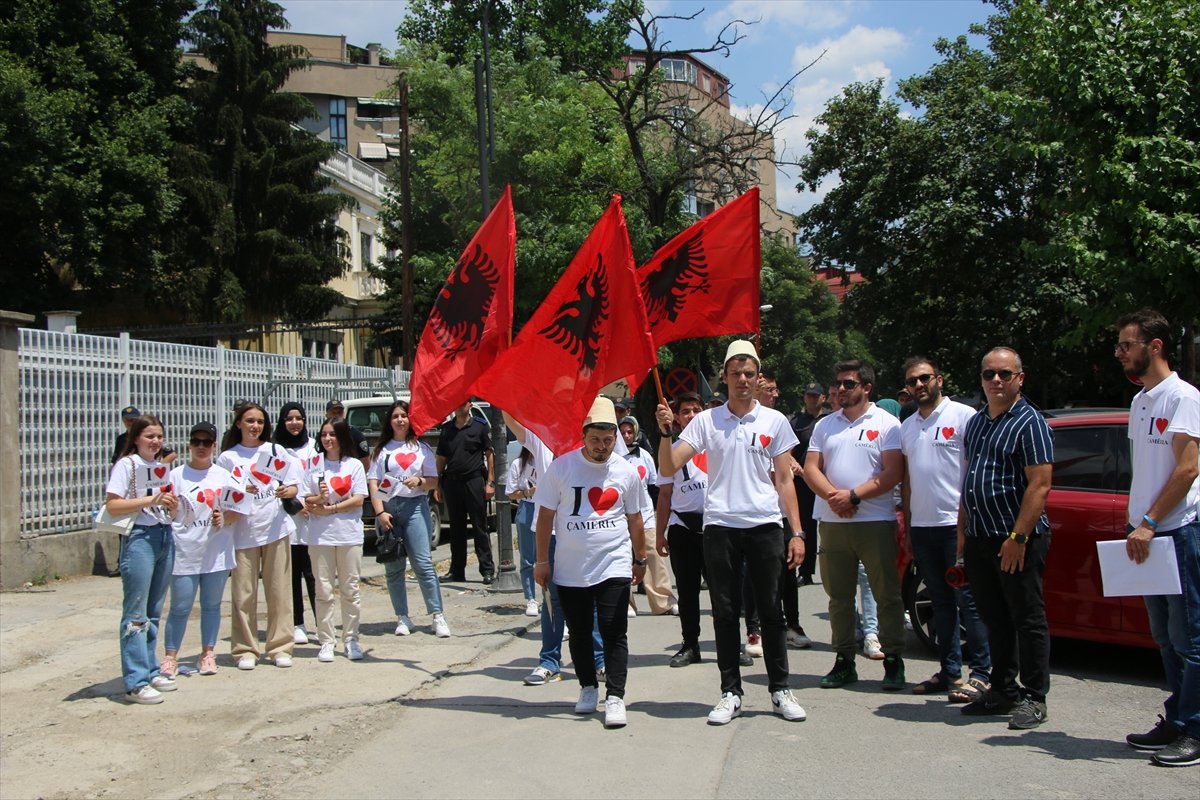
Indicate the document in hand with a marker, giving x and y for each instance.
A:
(1123, 577)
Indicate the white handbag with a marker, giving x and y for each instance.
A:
(107, 523)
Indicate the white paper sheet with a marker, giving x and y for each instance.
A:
(1123, 577)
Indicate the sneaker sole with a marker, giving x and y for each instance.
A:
(1146, 748)
(736, 714)
(1156, 762)
(839, 684)
(1013, 725)
(779, 712)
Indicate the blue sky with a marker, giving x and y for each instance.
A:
(861, 39)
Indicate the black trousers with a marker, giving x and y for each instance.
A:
(763, 551)
(302, 578)
(806, 500)
(464, 499)
(687, 562)
(608, 600)
(1014, 611)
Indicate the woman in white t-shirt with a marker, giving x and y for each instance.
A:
(204, 552)
(292, 435)
(260, 536)
(138, 485)
(333, 500)
(657, 582)
(403, 473)
(519, 486)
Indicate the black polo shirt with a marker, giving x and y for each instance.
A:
(464, 449)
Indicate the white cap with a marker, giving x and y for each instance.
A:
(602, 412)
(740, 348)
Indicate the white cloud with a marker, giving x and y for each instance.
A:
(773, 16)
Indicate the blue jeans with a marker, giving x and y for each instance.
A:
(868, 618)
(1175, 624)
(183, 597)
(527, 544)
(411, 516)
(146, 560)
(933, 549)
(552, 630)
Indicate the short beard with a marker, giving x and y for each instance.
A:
(1139, 367)
(933, 398)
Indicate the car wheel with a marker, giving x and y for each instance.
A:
(919, 607)
(435, 531)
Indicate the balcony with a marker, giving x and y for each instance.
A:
(345, 167)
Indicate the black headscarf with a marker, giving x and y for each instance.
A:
(285, 439)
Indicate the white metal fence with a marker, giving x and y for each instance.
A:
(72, 387)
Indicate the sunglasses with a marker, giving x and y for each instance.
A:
(847, 384)
(915, 379)
(1005, 375)
(1123, 347)
(202, 442)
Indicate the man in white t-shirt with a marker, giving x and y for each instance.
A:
(852, 465)
(934, 465)
(747, 448)
(592, 502)
(1164, 431)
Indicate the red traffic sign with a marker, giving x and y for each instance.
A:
(678, 381)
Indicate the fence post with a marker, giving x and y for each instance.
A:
(11, 571)
(222, 403)
(123, 358)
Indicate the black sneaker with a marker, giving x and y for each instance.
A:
(988, 705)
(1183, 752)
(1158, 737)
(744, 658)
(893, 673)
(488, 579)
(686, 655)
(843, 673)
(1028, 714)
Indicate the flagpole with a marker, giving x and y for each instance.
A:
(658, 385)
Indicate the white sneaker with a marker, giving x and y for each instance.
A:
(728, 707)
(248, 661)
(145, 695)
(785, 705)
(299, 636)
(283, 660)
(589, 696)
(631, 613)
(566, 633)
(674, 609)
(531, 608)
(614, 712)
(325, 654)
(871, 647)
(163, 684)
(798, 638)
(403, 625)
(353, 651)
(440, 628)
(541, 676)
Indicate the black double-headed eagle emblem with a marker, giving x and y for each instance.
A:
(577, 325)
(665, 288)
(461, 309)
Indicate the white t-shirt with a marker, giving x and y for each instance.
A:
(590, 503)
(344, 479)
(851, 453)
(740, 452)
(688, 486)
(199, 547)
(1154, 418)
(399, 460)
(520, 477)
(309, 459)
(647, 472)
(265, 521)
(936, 462)
(123, 481)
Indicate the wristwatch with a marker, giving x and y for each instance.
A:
(1019, 538)
(639, 562)
(854, 498)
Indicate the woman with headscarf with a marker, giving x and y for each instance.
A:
(292, 435)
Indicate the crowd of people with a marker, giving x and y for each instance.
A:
(741, 499)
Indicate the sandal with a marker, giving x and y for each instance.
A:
(969, 692)
(935, 685)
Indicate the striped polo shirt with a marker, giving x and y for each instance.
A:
(998, 451)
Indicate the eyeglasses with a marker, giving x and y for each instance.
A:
(1005, 375)
(201, 442)
(847, 384)
(915, 379)
(1123, 347)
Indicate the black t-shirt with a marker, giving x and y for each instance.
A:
(464, 448)
(802, 425)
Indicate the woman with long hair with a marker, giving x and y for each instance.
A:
(204, 552)
(137, 485)
(403, 472)
(519, 486)
(260, 536)
(333, 500)
(292, 435)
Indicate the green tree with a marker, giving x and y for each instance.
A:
(89, 95)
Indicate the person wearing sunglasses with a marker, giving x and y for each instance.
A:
(204, 551)
(1005, 536)
(1164, 437)
(852, 465)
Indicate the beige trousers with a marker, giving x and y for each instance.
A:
(657, 581)
(343, 563)
(274, 562)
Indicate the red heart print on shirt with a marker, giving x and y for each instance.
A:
(602, 500)
(764, 439)
(340, 484)
(872, 435)
(701, 462)
(161, 471)
(262, 476)
(641, 472)
(405, 460)
(947, 433)
(1161, 424)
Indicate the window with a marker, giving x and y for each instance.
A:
(634, 65)
(706, 83)
(337, 122)
(1082, 459)
(705, 207)
(365, 243)
(677, 69)
(381, 109)
(314, 348)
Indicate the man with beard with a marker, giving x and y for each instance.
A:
(1164, 428)
(1010, 457)
(931, 441)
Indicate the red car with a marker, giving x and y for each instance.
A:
(1088, 497)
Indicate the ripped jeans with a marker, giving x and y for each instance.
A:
(146, 560)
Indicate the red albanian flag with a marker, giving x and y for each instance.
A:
(470, 321)
(590, 330)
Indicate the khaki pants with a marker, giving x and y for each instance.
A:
(657, 581)
(274, 562)
(342, 562)
(843, 545)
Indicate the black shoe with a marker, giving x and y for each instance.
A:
(989, 705)
(488, 578)
(893, 673)
(1183, 752)
(686, 655)
(1028, 714)
(1158, 737)
(450, 576)
(744, 659)
(842, 674)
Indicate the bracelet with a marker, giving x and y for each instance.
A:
(1150, 521)
(540, 562)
